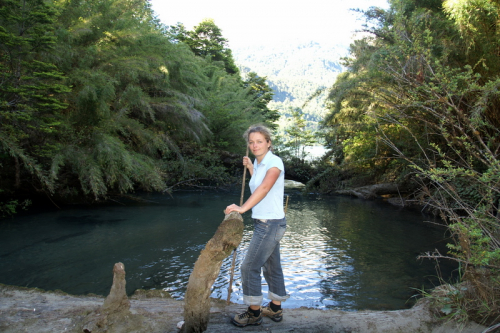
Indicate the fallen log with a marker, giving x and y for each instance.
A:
(371, 191)
(206, 269)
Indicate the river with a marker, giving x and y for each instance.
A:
(338, 252)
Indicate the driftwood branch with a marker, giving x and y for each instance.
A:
(206, 269)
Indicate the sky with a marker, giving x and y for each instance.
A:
(264, 22)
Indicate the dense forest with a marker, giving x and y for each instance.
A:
(418, 106)
(99, 99)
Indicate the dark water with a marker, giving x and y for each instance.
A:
(338, 252)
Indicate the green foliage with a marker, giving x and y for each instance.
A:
(206, 41)
(200, 166)
(97, 97)
(298, 137)
(450, 302)
(229, 104)
(32, 92)
(291, 147)
(11, 207)
(262, 95)
(477, 21)
(229, 109)
(420, 99)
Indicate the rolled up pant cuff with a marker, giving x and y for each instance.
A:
(253, 300)
(274, 297)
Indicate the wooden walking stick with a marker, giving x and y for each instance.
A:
(230, 288)
(286, 204)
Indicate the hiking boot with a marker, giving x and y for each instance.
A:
(247, 318)
(276, 316)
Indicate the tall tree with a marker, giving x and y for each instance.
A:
(229, 109)
(32, 94)
(299, 136)
(133, 100)
(206, 40)
(262, 94)
(140, 103)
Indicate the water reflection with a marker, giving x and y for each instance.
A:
(363, 254)
(337, 252)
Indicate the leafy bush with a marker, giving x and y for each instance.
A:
(420, 101)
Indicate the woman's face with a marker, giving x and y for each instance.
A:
(258, 144)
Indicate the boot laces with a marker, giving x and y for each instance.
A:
(244, 315)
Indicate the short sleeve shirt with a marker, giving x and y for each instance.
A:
(271, 206)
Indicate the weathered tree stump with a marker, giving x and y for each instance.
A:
(206, 269)
(117, 299)
(114, 316)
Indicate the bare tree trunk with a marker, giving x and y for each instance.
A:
(206, 269)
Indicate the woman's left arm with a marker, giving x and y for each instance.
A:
(259, 193)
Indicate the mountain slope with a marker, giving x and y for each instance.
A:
(294, 72)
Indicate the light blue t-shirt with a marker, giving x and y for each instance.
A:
(271, 206)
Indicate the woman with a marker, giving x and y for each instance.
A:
(267, 185)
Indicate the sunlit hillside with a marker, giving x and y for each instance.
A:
(294, 72)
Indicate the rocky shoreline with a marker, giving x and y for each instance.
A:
(35, 310)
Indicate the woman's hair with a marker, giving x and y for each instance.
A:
(259, 129)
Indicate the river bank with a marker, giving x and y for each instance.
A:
(35, 310)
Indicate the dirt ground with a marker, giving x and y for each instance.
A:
(34, 310)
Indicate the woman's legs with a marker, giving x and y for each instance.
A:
(263, 253)
(273, 273)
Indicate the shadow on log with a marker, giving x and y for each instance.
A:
(206, 269)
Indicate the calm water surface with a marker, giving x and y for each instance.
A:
(338, 252)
